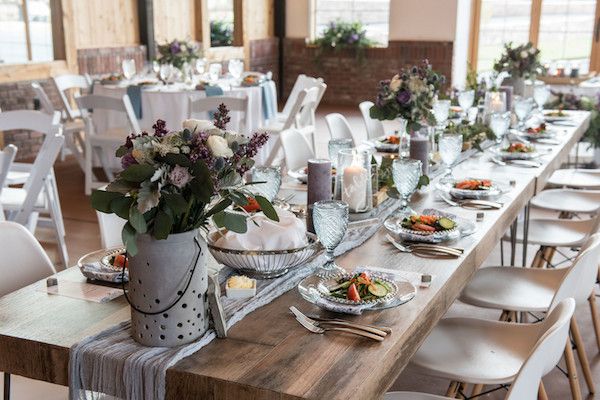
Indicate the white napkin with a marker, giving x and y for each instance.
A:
(98, 271)
(265, 234)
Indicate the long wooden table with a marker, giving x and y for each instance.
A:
(268, 355)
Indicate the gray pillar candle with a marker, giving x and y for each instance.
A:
(319, 186)
(419, 150)
(509, 96)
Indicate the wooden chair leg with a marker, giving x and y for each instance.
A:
(477, 389)
(572, 372)
(462, 389)
(548, 256)
(504, 315)
(6, 386)
(451, 392)
(595, 318)
(542, 395)
(538, 259)
(583, 360)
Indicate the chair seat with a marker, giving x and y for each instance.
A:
(555, 232)
(412, 396)
(568, 200)
(578, 178)
(475, 350)
(110, 136)
(17, 177)
(513, 288)
(272, 128)
(72, 126)
(13, 198)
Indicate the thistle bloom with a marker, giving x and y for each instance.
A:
(403, 97)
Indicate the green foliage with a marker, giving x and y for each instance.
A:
(522, 61)
(341, 35)
(473, 135)
(177, 53)
(221, 33)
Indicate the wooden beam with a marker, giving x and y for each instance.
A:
(146, 26)
(58, 34)
(595, 55)
(27, 30)
(238, 23)
(69, 35)
(198, 23)
(474, 33)
(534, 24)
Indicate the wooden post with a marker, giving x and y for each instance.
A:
(146, 26)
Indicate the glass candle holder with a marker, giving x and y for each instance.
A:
(335, 145)
(353, 176)
(495, 103)
(270, 178)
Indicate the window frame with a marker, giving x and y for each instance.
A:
(534, 32)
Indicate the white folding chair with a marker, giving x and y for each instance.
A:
(374, 127)
(302, 82)
(206, 104)
(7, 156)
(306, 98)
(339, 128)
(72, 129)
(111, 226)
(307, 115)
(68, 87)
(39, 194)
(542, 358)
(104, 144)
(296, 148)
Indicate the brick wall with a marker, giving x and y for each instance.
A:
(264, 56)
(348, 81)
(108, 59)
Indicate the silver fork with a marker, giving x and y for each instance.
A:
(321, 330)
(347, 324)
(423, 247)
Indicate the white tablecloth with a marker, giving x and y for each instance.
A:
(171, 105)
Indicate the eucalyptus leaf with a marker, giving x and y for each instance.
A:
(423, 181)
(267, 208)
(101, 200)
(121, 151)
(121, 186)
(163, 223)
(177, 159)
(220, 206)
(136, 219)
(121, 206)
(128, 236)
(176, 202)
(232, 221)
(238, 198)
(137, 173)
(201, 189)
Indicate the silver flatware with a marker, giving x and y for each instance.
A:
(429, 249)
(321, 330)
(381, 328)
(472, 203)
(347, 324)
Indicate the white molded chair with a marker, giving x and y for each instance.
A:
(39, 193)
(576, 178)
(302, 82)
(374, 127)
(538, 359)
(111, 226)
(305, 99)
(206, 104)
(339, 128)
(568, 201)
(537, 290)
(104, 144)
(7, 156)
(68, 87)
(296, 148)
(72, 129)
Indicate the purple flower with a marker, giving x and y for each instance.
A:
(403, 97)
(179, 176)
(175, 47)
(128, 160)
(353, 38)
(160, 128)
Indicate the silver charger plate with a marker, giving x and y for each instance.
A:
(383, 147)
(463, 228)
(308, 289)
(497, 189)
(326, 283)
(505, 155)
(104, 271)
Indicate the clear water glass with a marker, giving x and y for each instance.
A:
(165, 72)
(499, 124)
(465, 100)
(128, 67)
(441, 111)
(200, 66)
(403, 148)
(449, 147)
(406, 174)
(335, 145)
(214, 72)
(271, 178)
(330, 219)
(523, 107)
(236, 68)
(541, 95)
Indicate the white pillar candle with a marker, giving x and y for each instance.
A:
(354, 187)
(497, 105)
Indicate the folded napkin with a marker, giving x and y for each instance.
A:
(213, 90)
(269, 99)
(99, 271)
(135, 96)
(264, 234)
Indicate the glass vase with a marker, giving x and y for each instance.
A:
(354, 178)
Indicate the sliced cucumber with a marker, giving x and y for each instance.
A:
(385, 285)
(446, 223)
(343, 285)
(378, 290)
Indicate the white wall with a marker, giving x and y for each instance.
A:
(461, 43)
(423, 20)
(296, 19)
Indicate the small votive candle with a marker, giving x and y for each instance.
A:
(425, 281)
(354, 167)
(479, 216)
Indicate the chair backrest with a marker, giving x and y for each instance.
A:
(308, 112)
(579, 281)
(118, 104)
(304, 100)
(546, 353)
(374, 126)
(339, 128)
(296, 148)
(7, 156)
(211, 103)
(111, 226)
(29, 120)
(23, 260)
(302, 82)
(71, 83)
(41, 95)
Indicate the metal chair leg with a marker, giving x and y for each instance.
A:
(6, 386)
(525, 233)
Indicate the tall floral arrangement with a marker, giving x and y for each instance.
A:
(340, 35)
(221, 33)
(176, 181)
(178, 52)
(409, 95)
(521, 61)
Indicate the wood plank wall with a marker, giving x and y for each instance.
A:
(175, 20)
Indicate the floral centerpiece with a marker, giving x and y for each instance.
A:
(521, 61)
(409, 95)
(473, 135)
(340, 35)
(177, 53)
(221, 33)
(570, 101)
(172, 184)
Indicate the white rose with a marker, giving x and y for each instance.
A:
(218, 146)
(395, 83)
(524, 54)
(198, 125)
(532, 50)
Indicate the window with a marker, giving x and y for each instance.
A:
(373, 14)
(562, 29)
(25, 31)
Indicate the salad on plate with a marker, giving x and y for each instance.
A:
(428, 224)
(361, 287)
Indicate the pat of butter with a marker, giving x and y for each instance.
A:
(240, 282)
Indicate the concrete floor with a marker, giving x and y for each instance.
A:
(83, 236)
